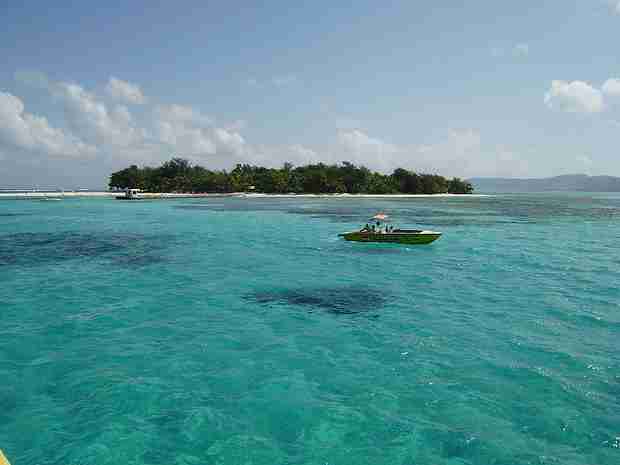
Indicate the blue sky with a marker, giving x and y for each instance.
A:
(461, 88)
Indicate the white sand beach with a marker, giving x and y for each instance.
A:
(57, 195)
(171, 195)
(358, 196)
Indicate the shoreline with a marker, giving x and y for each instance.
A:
(171, 195)
(362, 196)
(53, 195)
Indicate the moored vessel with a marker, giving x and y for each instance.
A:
(130, 194)
(381, 232)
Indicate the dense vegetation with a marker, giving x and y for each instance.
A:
(178, 175)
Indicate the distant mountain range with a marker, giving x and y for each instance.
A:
(570, 182)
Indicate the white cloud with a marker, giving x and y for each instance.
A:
(121, 136)
(356, 140)
(277, 155)
(452, 155)
(165, 130)
(236, 125)
(617, 8)
(521, 50)
(465, 153)
(228, 142)
(93, 119)
(124, 91)
(152, 136)
(461, 152)
(189, 132)
(356, 146)
(303, 154)
(182, 114)
(185, 140)
(611, 87)
(574, 97)
(34, 133)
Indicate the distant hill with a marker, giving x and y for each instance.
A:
(570, 182)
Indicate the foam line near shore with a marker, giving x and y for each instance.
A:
(169, 195)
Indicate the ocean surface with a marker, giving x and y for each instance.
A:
(244, 331)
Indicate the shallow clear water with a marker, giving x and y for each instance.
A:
(243, 331)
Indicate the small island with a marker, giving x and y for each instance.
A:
(179, 175)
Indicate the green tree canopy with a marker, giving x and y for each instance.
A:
(178, 175)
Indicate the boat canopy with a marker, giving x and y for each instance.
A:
(380, 217)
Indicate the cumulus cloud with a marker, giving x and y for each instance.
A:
(93, 119)
(452, 155)
(182, 114)
(465, 153)
(124, 91)
(356, 146)
(34, 133)
(574, 97)
(455, 155)
(119, 135)
(277, 155)
(228, 142)
(301, 154)
(237, 125)
(188, 131)
(161, 131)
(611, 87)
(460, 152)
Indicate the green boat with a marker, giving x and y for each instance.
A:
(379, 232)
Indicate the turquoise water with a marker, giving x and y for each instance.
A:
(243, 331)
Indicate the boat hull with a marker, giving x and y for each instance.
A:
(422, 237)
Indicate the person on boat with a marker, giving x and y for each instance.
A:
(373, 228)
(365, 228)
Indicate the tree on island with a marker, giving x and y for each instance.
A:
(178, 175)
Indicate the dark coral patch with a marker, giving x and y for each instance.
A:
(339, 300)
(31, 249)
